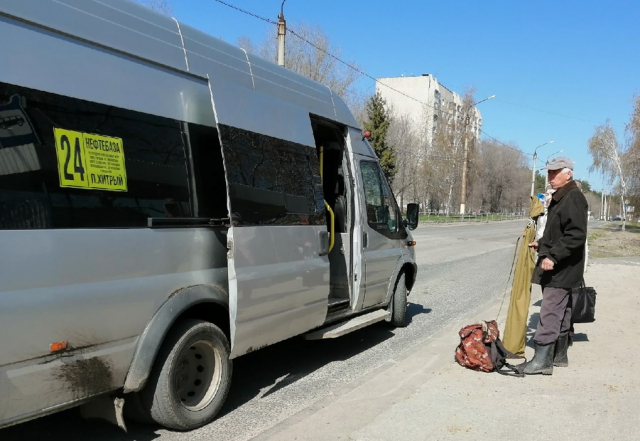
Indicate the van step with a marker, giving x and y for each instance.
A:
(340, 329)
(336, 304)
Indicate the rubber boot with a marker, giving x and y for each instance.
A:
(560, 358)
(571, 334)
(542, 361)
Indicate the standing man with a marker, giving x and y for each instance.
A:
(561, 260)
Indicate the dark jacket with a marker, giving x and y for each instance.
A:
(564, 239)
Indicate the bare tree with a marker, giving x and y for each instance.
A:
(632, 156)
(633, 129)
(162, 6)
(307, 53)
(448, 126)
(595, 203)
(499, 178)
(447, 148)
(406, 145)
(357, 102)
(607, 155)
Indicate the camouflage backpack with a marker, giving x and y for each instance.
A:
(480, 349)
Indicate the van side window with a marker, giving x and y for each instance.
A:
(271, 181)
(210, 199)
(381, 208)
(71, 163)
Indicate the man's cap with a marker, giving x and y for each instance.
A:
(559, 163)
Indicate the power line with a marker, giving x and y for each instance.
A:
(361, 72)
(506, 145)
(619, 126)
(246, 12)
(546, 111)
(441, 157)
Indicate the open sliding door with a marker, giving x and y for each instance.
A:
(278, 267)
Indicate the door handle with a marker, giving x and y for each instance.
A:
(365, 240)
(323, 241)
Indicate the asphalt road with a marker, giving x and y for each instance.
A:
(461, 269)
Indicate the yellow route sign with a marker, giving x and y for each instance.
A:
(89, 161)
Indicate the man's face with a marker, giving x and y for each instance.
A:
(559, 178)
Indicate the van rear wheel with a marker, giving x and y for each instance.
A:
(399, 300)
(191, 377)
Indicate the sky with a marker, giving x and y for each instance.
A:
(558, 68)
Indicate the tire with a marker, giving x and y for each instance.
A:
(399, 300)
(135, 410)
(191, 377)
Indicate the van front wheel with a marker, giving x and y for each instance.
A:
(191, 376)
(399, 308)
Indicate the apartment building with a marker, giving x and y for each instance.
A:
(428, 104)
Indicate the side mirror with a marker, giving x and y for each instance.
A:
(413, 213)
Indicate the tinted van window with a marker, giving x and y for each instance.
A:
(210, 200)
(70, 163)
(272, 181)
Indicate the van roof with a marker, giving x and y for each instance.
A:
(131, 29)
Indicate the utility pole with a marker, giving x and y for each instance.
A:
(282, 31)
(463, 188)
(533, 173)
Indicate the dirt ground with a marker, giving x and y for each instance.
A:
(611, 241)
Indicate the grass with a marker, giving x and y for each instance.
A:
(595, 235)
(633, 227)
(466, 218)
(610, 241)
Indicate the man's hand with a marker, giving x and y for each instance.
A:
(534, 245)
(547, 264)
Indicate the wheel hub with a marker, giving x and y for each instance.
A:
(198, 375)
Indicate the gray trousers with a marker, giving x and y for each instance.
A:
(555, 315)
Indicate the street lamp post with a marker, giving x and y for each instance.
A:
(533, 166)
(463, 189)
(546, 175)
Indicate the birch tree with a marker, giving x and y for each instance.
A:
(607, 155)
